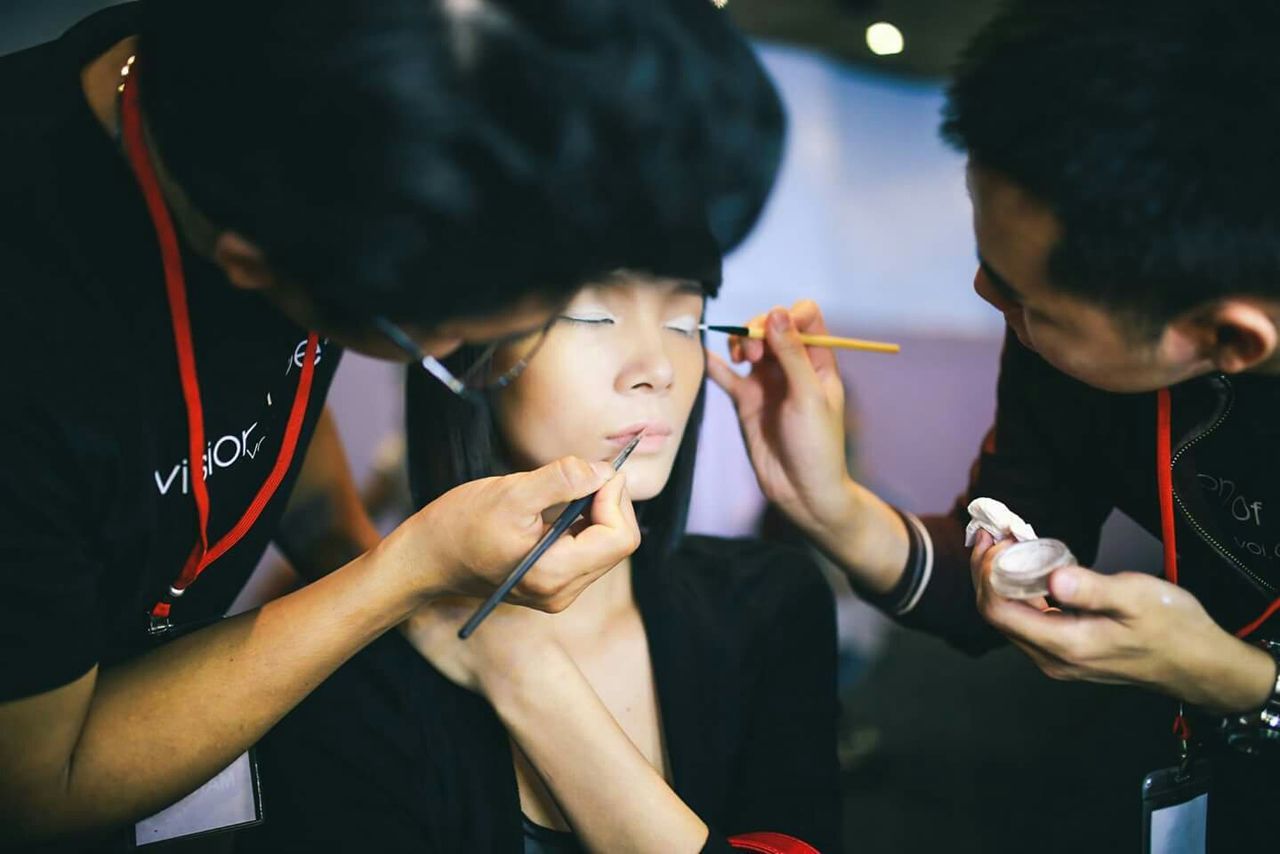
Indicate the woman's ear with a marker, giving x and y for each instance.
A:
(243, 262)
(1235, 334)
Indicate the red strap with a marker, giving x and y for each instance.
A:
(175, 287)
(1164, 481)
(771, 843)
(202, 555)
(1256, 624)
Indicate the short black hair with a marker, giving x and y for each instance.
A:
(450, 441)
(430, 159)
(1149, 128)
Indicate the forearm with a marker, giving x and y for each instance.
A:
(613, 797)
(866, 537)
(870, 542)
(159, 726)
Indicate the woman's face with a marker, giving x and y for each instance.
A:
(622, 356)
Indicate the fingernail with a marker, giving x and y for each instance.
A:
(779, 320)
(603, 470)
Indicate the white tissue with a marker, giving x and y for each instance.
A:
(987, 514)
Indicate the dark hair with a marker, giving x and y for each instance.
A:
(430, 159)
(450, 441)
(1148, 127)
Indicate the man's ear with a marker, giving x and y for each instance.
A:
(1234, 334)
(243, 262)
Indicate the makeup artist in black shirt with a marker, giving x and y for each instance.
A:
(204, 203)
(1124, 191)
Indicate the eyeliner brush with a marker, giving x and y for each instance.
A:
(832, 341)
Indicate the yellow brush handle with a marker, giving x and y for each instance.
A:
(839, 343)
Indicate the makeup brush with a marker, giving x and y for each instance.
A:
(566, 518)
(809, 340)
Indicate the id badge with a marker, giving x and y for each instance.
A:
(230, 801)
(1175, 810)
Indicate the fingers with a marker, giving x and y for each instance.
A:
(1051, 634)
(1054, 668)
(981, 543)
(558, 483)
(748, 349)
(808, 317)
(790, 353)
(1086, 590)
(574, 562)
(724, 376)
(808, 320)
(982, 558)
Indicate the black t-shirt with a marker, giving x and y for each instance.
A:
(96, 512)
(388, 755)
(1238, 470)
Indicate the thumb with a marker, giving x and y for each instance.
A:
(559, 482)
(1086, 590)
(790, 351)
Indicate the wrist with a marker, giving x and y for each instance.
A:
(410, 567)
(865, 537)
(836, 511)
(1256, 730)
(1240, 679)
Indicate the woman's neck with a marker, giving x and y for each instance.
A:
(597, 608)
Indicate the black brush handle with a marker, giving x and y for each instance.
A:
(740, 331)
(562, 523)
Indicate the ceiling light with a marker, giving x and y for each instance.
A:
(884, 39)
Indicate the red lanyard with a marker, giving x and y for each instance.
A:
(1164, 480)
(202, 554)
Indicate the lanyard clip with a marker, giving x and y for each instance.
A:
(158, 619)
(1182, 731)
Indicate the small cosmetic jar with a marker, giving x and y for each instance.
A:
(1022, 570)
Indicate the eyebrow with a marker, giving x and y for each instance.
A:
(688, 287)
(1007, 291)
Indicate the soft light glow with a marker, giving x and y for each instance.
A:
(884, 39)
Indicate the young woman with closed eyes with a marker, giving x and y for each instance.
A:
(685, 697)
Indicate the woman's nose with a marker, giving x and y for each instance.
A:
(648, 366)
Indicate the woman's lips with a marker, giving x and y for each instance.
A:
(655, 438)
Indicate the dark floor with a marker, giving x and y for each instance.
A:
(963, 754)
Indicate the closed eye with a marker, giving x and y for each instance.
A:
(684, 325)
(588, 321)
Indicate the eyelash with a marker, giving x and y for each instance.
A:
(607, 321)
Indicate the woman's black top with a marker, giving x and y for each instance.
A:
(388, 755)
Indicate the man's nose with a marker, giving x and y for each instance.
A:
(982, 287)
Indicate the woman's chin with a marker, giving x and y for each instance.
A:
(644, 485)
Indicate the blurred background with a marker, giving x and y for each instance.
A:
(870, 217)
